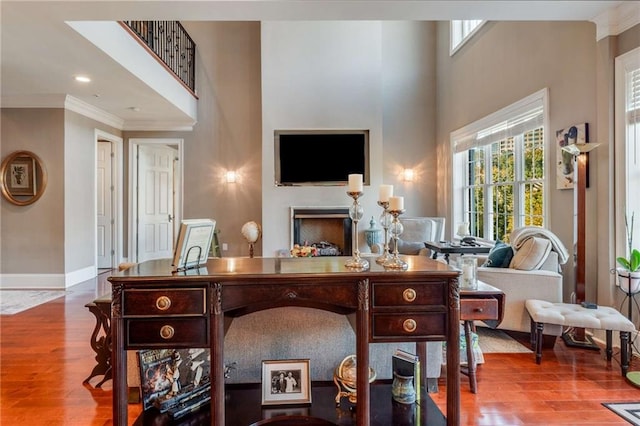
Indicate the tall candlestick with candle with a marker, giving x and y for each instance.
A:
(386, 191)
(355, 213)
(396, 208)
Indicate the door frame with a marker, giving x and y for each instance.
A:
(178, 180)
(117, 168)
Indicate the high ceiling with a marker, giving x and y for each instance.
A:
(41, 53)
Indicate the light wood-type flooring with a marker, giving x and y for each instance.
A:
(45, 356)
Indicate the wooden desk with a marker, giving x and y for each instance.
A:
(447, 248)
(153, 307)
(486, 304)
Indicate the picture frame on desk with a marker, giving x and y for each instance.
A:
(194, 242)
(286, 382)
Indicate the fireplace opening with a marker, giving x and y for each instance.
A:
(328, 229)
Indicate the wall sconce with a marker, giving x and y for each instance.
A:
(408, 175)
(231, 176)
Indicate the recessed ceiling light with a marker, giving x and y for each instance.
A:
(82, 78)
(135, 109)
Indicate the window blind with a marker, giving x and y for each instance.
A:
(633, 97)
(525, 119)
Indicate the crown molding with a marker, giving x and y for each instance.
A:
(164, 126)
(617, 19)
(89, 111)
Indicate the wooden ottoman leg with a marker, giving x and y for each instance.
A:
(539, 328)
(624, 352)
(532, 337)
(609, 349)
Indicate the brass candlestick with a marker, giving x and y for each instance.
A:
(355, 213)
(385, 222)
(396, 229)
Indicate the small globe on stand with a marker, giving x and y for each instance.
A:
(251, 232)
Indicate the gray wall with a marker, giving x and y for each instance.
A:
(504, 63)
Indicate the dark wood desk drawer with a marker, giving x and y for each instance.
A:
(411, 325)
(409, 294)
(169, 301)
(169, 332)
(478, 309)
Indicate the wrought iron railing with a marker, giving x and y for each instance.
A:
(171, 44)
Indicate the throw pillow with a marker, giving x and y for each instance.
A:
(532, 254)
(500, 256)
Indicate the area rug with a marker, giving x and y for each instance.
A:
(630, 411)
(16, 301)
(497, 341)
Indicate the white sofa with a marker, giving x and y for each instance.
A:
(533, 273)
(544, 283)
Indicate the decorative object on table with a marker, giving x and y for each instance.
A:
(286, 382)
(629, 270)
(345, 378)
(406, 371)
(194, 242)
(23, 178)
(372, 235)
(463, 229)
(355, 213)
(251, 232)
(468, 276)
(579, 152)
(386, 191)
(396, 208)
(577, 134)
(303, 251)
(402, 389)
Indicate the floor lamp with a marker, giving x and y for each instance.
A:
(579, 151)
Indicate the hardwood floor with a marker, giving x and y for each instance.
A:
(45, 356)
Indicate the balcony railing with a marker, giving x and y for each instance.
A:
(171, 44)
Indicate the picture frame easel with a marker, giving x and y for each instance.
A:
(194, 242)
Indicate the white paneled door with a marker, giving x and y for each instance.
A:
(155, 202)
(104, 199)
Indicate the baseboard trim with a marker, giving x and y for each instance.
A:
(46, 281)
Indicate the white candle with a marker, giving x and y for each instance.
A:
(396, 203)
(386, 191)
(355, 183)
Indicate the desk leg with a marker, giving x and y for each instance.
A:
(453, 355)
(217, 357)
(362, 355)
(118, 360)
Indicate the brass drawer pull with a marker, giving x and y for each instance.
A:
(409, 295)
(167, 332)
(409, 325)
(163, 303)
(480, 310)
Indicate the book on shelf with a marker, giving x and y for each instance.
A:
(407, 364)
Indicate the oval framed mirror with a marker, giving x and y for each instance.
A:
(23, 178)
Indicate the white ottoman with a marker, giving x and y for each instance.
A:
(573, 315)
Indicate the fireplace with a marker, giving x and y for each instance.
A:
(319, 225)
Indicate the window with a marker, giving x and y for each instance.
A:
(461, 31)
(499, 171)
(627, 148)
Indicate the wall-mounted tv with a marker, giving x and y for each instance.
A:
(320, 157)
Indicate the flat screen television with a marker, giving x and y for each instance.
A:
(320, 157)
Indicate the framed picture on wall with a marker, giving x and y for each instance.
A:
(286, 382)
(21, 176)
(565, 164)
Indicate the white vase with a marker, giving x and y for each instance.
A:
(629, 282)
